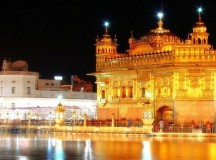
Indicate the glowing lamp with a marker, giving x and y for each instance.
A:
(58, 78)
(199, 10)
(147, 94)
(106, 24)
(60, 97)
(160, 15)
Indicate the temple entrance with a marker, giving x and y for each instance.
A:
(164, 119)
(164, 113)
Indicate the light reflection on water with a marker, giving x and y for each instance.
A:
(62, 146)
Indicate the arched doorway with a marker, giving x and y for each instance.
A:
(164, 113)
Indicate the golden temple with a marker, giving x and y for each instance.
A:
(159, 76)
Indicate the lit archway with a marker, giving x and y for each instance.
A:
(164, 110)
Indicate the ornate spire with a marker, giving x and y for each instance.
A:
(106, 34)
(132, 34)
(115, 38)
(131, 39)
(160, 16)
(97, 39)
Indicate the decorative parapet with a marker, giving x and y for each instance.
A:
(144, 60)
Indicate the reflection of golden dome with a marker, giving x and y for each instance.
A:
(19, 65)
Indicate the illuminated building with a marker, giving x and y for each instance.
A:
(22, 92)
(159, 76)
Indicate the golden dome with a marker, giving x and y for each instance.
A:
(19, 65)
(199, 26)
(157, 40)
(161, 34)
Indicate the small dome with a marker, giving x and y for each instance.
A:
(160, 36)
(19, 65)
(199, 26)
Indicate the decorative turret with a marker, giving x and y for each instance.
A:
(188, 40)
(199, 35)
(4, 65)
(131, 40)
(106, 46)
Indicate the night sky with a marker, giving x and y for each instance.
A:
(57, 37)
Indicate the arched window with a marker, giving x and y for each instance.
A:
(145, 114)
(123, 91)
(150, 114)
(199, 41)
(130, 92)
(130, 89)
(143, 92)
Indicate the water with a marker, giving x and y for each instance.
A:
(60, 146)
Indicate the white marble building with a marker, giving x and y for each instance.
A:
(22, 92)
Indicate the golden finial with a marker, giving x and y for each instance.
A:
(199, 12)
(160, 28)
(160, 16)
(106, 24)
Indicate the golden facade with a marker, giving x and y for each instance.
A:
(159, 76)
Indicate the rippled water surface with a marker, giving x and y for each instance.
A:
(62, 146)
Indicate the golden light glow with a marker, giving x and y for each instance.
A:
(148, 94)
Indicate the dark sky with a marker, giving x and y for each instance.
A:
(58, 36)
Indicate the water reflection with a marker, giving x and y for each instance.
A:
(146, 154)
(88, 150)
(62, 146)
(54, 149)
